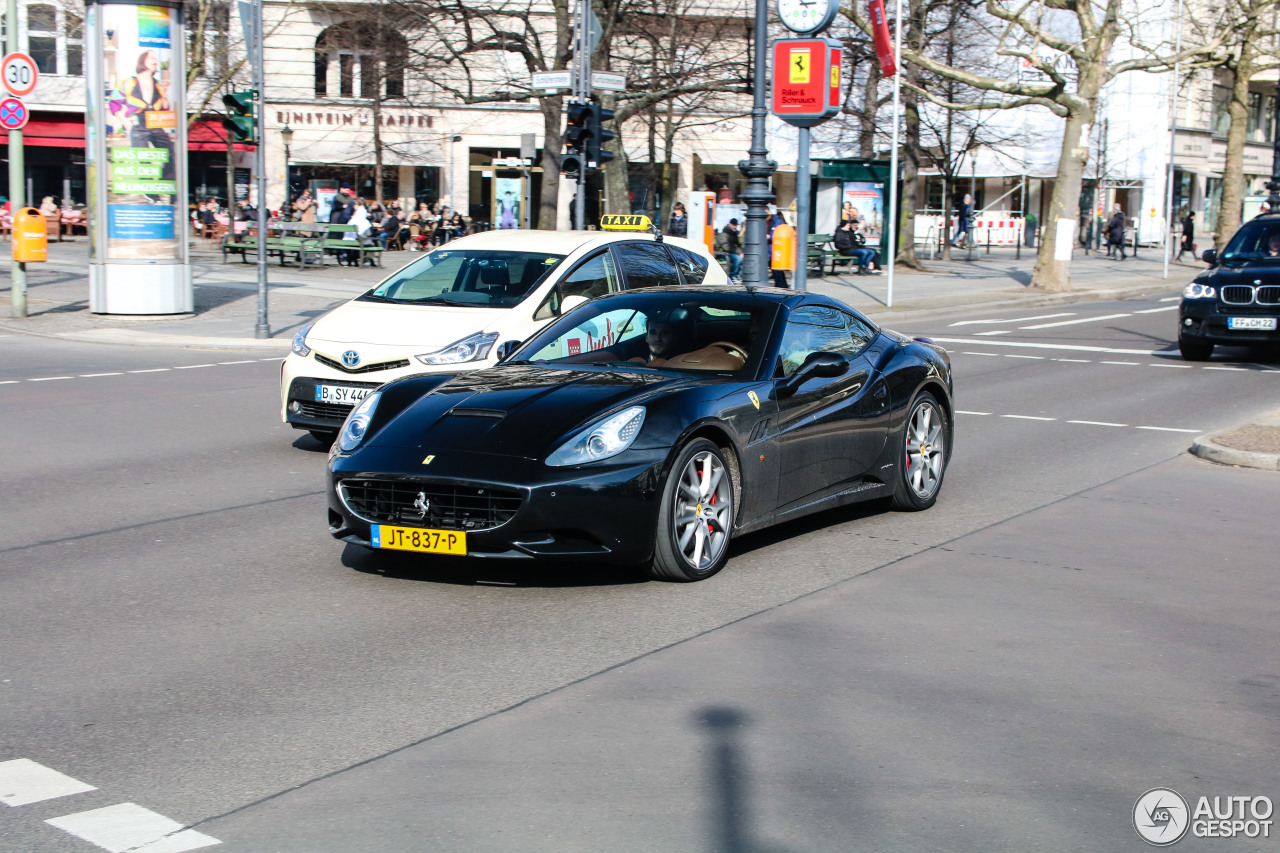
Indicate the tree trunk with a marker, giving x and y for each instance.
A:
(1233, 170)
(1051, 274)
(376, 107)
(670, 178)
(870, 107)
(906, 252)
(617, 188)
(552, 146)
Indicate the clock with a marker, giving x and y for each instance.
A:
(807, 16)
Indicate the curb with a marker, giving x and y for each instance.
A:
(1206, 449)
(127, 337)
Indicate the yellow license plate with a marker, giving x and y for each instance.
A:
(417, 539)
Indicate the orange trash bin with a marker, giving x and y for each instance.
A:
(30, 236)
(784, 248)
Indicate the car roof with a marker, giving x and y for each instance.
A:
(557, 242)
(765, 294)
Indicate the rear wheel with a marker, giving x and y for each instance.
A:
(924, 455)
(695, 520)
(1193, 349)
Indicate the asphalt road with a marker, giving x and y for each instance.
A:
(1087, 613)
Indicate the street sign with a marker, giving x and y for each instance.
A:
(20, 74)
(552, 80)
(608, 81)
(13, 114)
(806, 80)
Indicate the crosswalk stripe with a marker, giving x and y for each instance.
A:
(24, 781)
(128, 826)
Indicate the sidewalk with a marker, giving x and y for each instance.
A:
(226, 294)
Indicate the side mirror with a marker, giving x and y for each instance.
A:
(505, 349)
(1210, 257)
(570, 302)
(818, 364)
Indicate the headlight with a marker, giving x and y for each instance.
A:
(607, 438)
(357, 423)
(1199, 291)
(300, 342)
(473, 348)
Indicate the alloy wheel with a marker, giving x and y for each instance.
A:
(703, 511)
(926, 450)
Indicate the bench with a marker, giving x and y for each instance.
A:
(820, 250)
(306, 242)
(829, 253)
(335, 241)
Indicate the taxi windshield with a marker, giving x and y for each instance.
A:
(664, 331)
(1256, 241)
(481, 278)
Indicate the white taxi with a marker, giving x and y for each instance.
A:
(468, 303)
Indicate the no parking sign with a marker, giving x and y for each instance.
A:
(13, 114)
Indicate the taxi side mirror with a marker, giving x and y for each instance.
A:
(505, 349)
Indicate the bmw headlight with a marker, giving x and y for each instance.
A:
(1199, 291)
(602, 440)
(473, 348)
(300, 342)
(357, 423)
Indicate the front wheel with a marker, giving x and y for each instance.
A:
(1194, 350)
(695, 520)
(924, 455)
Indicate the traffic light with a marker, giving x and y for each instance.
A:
(598, 136)
(239, 121)
(576, 130)
(571, 163)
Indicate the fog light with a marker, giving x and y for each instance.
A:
(296, 408)
(1186, 321)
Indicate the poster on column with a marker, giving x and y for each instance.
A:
(507, 193)
(867, 198)
(141, 129)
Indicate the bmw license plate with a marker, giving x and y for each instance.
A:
(418, 539)
(342, 395)
(1265, 324)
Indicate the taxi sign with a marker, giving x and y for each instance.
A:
(625, 222)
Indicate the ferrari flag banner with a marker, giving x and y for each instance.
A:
(884, 44)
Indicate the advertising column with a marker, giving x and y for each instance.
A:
(136, 149)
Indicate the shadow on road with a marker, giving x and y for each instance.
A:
(473, 571)
(728, 784)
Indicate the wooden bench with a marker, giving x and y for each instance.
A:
(849, 261)
(301, 244)
(335, 241)
(820, 250)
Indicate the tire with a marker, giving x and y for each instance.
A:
(695, 519)
(324, 436)
(924, 446)
(1194, 350)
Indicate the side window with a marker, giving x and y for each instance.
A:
(646, 265)
(597, 277)
(597, 333)
(810, 329)
(692, 265)
(863, 332)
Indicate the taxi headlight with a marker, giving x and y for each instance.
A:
(472, 348)
(357, 423)
(300, 342)
(601, 440)
(1199, 291)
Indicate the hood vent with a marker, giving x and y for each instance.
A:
(464, 412)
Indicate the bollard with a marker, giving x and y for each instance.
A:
(30, 236)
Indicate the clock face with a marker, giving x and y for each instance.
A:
(806, 16)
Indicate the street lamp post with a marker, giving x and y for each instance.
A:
(758, 168)
(286, 136)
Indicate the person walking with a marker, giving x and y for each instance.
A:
(1115, 231)
(1188, 236)
(729, 244)
(775, 219)
(678, 225)
(962, 222)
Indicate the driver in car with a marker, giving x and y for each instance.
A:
(670, 338)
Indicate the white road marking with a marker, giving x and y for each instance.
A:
(1074, 322)
(152, 370)
(1032, 357)
(94, 375)
(278, 358)
(1171, 299)
(1098, 423)
(1126, 363)
(24, 781)
(1014, 319)
(130, 827)
(1169, 429)
(998, 332)
(1028, 418)
(250, 361)
(1075, 360)
(1225, 368)
(49, 378)
(1066, 347)
(194, 366)
(1181, 366)
(1157, 310)
(10, 382)
(962, 412)
(992, 354)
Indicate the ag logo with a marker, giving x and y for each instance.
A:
(1161, 817)
(351, 358)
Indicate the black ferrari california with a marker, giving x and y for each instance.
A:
(649, 427)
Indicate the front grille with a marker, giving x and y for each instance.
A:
(1237, 294)
(449, 506)
(367, 368)
(1269, 294)
(324, 412)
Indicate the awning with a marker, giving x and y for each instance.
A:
(854, 169)
(205, 135)
(52, 130)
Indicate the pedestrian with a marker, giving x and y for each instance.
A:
(678, 225)
(390, 229)
(729, 244)
(1115, 231)
(360, 219)
(1188, 236)
(962, 223)
(305, 207)
(775, 219)
(850, 243)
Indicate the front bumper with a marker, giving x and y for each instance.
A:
(1206, 320)
(602, 512)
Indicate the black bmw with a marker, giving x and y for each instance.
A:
(1236, 302)
(649, 427)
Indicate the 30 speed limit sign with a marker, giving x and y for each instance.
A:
(20, 74)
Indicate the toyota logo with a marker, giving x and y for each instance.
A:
(351, 358)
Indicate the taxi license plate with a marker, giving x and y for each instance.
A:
(1266, 324)
(343, 395)
(418, 539)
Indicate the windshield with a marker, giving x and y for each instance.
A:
(482, 278)
(1255, 241)
(682, 331)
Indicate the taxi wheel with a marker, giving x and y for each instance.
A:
(324, 436)
(924, 455)
(695, 521)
